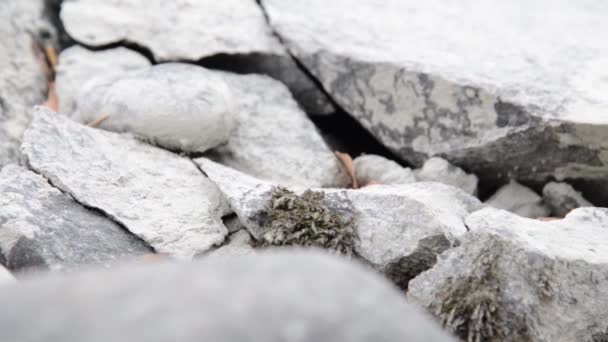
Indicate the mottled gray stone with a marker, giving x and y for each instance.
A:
(399, 228)
(159, 196)
(440, 170)
(194, 29)
(489, 85)
(43, 228)
(178, 106)
(562, 198)
(239, 243)
(22, 79)
(520, 200)
(373, 168)
(282, 296)
(517, 279)
(78, 66)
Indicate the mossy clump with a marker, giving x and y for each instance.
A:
(305, 220)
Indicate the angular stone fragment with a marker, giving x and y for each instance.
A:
(440, 170)
(177, 106)
(239, 243)
(78, 66)
(23, 81)
(562, 198)
(281, 296)
(517, 279)
(43, 228)
(508, 94)
(399, 229)
(191, 30)
(157, 195)
(519, 200)
(372, 168)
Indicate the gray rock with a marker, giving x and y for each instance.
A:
(520, 200)
(286, 296)
(239, 243)
(440, 170)
(399, 228)
(232, 223)
(22, 79)
(373, 168)
(177, 106)
(78, 66)
(562, 198)
(507, 94)
(191, 30)
(43, 228)
(157, 195)
(517, 279)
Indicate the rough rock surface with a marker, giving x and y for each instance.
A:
(516, 279)
(177, 106)
(562, 198)
(191, 30)
(520, 200)
(373, 168)
(286, 296)
(440, 170)
(400, 229)
(157, 195)
(78, 66)
(239, 243)
(274, 139)
(43, 228)
(22, 79)
(507, 94)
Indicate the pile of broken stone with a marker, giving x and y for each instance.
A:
(187, 129)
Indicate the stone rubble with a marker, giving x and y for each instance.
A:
(371, 168)
(520, 200)
(440, 170)
(562, 198)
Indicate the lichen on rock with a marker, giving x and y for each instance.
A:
(305, 220)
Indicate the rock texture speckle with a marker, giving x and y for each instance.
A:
(157, 195)
(520, 200)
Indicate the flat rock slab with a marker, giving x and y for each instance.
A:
(192, 30)
(286, 296)
(44, 229)
(517, 279)
(159, 196)
(22, 79)
(489, 85)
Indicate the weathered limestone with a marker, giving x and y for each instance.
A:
(520, 200)
(372, 168)
(507, 94)
(192, 30)
(157, 195)
(43, 228)
(440, 170)
(562, 198)
(517, 279)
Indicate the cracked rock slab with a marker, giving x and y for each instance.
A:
(159, 196)
(235, 30)
(22, 79)
(42, 228)
(371, 168)
(519, 200)
(302, 295)
(562, 198)
(517, 279)
(508, 94)
(440, 170)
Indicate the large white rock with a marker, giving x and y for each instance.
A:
(157, 195)
(22, 79)
(490, 85)
(191, 30)
(520, 200)
(517, 279)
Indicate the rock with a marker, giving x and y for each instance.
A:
(274, 139)
(517, 279)
(43, 228)
(239, 243)
(190, 30)
(561, 198)
(520, 200)
(177, 106)
(371, 168)
(161, 197)
(78, 66)
(440, 170)
(282, 296)
(232, 223)
(507, 95)
(399, 228)
(22, 77)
